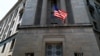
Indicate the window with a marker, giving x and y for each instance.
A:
(88, 3)
(6, 28)
(99, 38)
(97, 8)
(78, 54)
(24, 4)
(38, 12)
(11, 16)
(6, 31)
(15, 13)
(3, 48)
(29, 54)
(4, 36)
(51, 19)
(18, 26)
(91, 9)
(12, 24)
(21, 13)
(95, 25)
(9, 33)
(12, 45)
(54, 49)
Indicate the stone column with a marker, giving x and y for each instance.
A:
(63, 7)
(44, 12)
(29, 12)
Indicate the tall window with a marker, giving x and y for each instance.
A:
(15, 13)
(9, 33)
(12, 45)
(91, 9)
(95, 25)
(4, 36)
(99, 38)
(51, 19)
(54, 49)
(3, 49)
(12, 24)
(21, 13)
(38, 12)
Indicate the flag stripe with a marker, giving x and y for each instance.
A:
(59, 13)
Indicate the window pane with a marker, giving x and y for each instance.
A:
(54, 49)
(58, 52)
(49, 52)
(49, 46)
(58, 46)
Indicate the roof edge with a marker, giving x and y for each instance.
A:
(16, 4)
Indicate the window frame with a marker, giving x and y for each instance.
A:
(56, 50)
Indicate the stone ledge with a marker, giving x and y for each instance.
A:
(54, 26)
(8, 38)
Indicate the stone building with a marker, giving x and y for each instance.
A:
(30, 29)
(94, 9)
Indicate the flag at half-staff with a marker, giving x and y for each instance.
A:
(60, 13)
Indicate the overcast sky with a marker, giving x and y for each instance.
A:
(5, 6)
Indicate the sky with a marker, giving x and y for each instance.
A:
(5, 6)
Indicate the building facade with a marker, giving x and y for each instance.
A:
(94, 9)
(31, 29)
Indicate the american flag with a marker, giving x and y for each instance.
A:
(60, 13)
